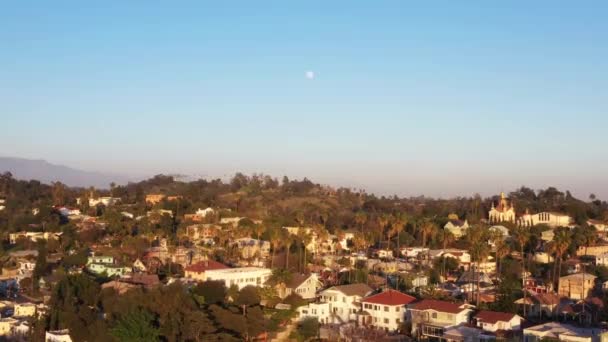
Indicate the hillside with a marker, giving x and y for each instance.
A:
(46, 172)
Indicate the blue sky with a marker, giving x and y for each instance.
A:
(438, 97)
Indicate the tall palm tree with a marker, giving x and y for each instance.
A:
(522, 235)
(561, 241)
(288, 240)
(275, 240)
(361, 219)
(398, 225)
(305, 238)
(359, 242)
(427, 228)
(589, 238)
(446, 237)
(551, 250)
(477, 238)
(383, 221)
(501, 251)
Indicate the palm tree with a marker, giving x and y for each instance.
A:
(522, 235)
(561, 242)
(275, 240)
(383, 220)
(397, 226)
(288, 240)
(359, 242)
(305, 238)
(589, 238)
(446, 238)
(427, 228)
(478, 248)
(502, 250)
(112, 188)
(360, 219)
(479, 253)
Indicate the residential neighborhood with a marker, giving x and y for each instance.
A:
(304, 171)
(468, 275)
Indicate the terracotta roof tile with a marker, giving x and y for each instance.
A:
(439, 305)
(206, 265)
(390, 297)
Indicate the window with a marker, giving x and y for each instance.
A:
(386, 321)
(434, 315)
(386, 308)
(397, 309)
(398, 321)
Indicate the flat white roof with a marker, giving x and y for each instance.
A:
(239, 270)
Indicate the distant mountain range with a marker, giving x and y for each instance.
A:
(46, 172)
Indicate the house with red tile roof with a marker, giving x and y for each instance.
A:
(493, 321)
(197, 271)
(431, 318)
(385, 310)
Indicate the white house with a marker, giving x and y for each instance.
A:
(33, 236)
(502, 230)
(413, 252)
(106, 201)
(338, 304)
(547, 235)
(313, 245)
(205, 212)
(458, 228)
(543, 257)
(68, 212)
(385, 254)
(551, 219)
(599, 225)
(58, 336)
(562, 332)
(344, 241)
(250, 248)
(24, 310)
(240, 276)
(7, 325)
(305, 286)
(601, 259)
(462, 256)
(385, 310)
(493, 321)
(430, 318)
(139, 266)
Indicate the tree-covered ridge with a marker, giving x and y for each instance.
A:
(285, 202)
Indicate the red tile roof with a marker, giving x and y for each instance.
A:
(389, 297)
(438, 305)
(206, 265)
(493, 316)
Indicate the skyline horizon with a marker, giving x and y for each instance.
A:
(367, 188)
